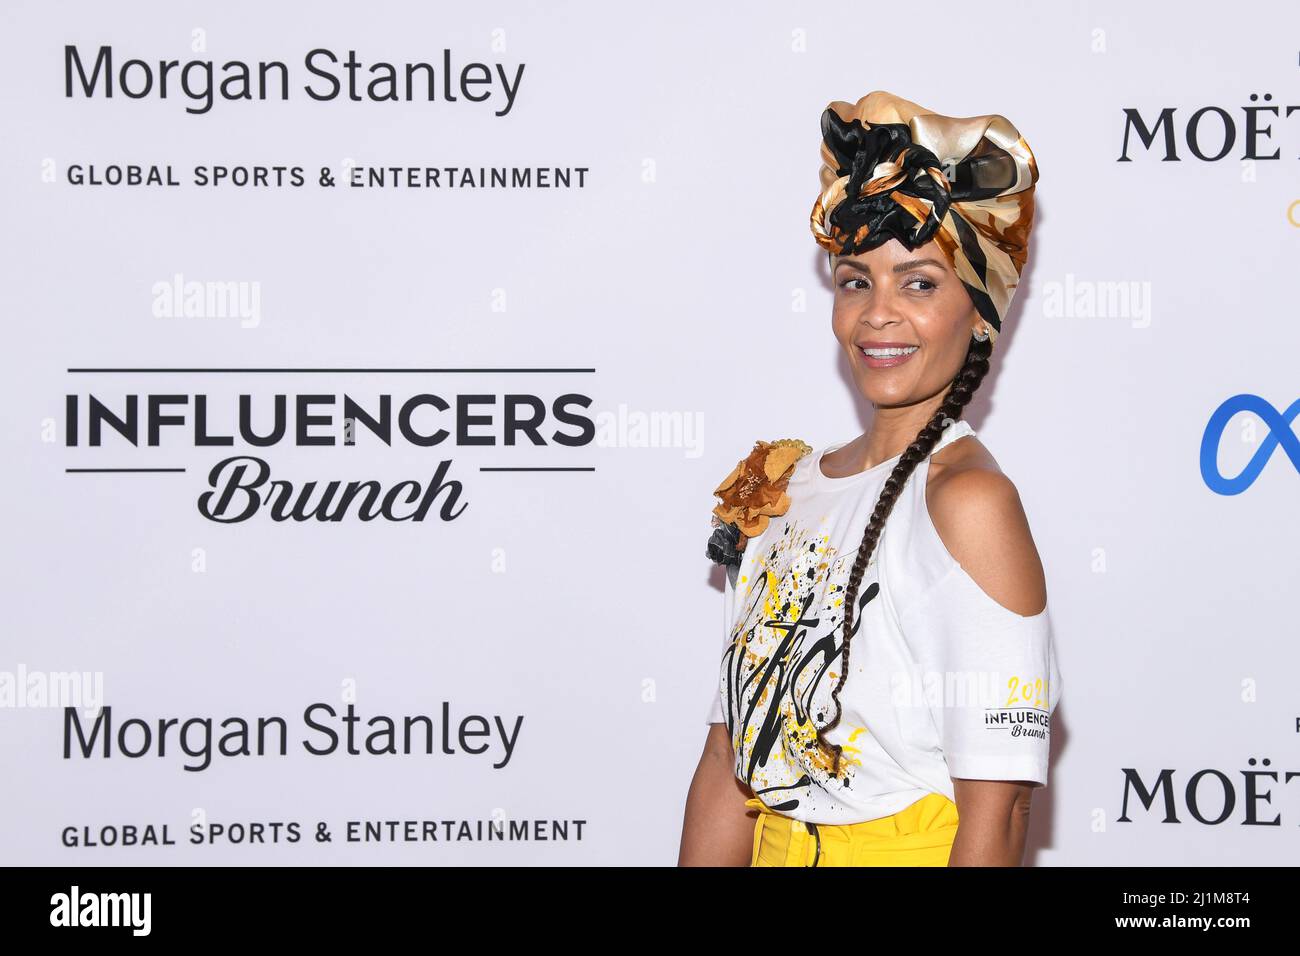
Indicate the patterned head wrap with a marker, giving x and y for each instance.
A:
(893, 169)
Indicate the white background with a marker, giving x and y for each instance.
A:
(1173, 605)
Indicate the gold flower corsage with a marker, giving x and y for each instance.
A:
(752, 495)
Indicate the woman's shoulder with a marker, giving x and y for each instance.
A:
(977, 513)
(761, 486)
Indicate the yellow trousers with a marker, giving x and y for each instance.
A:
(917, 835)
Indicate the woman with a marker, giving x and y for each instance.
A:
(888, 672)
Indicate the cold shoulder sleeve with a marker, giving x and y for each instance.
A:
(728, 605)
(990, 679)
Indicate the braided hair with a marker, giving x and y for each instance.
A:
(959, 395)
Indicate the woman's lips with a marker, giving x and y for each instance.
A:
(886, 356)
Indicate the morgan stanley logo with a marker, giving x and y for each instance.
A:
(102, 909)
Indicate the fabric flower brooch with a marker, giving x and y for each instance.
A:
(751, 495)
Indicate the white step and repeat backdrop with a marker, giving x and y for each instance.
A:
(425, 331)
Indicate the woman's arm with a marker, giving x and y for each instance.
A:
(994, 817)
(979, 516)
(718, 829)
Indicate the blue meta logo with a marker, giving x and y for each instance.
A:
(1279, 433)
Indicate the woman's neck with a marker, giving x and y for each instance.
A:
(894, 428)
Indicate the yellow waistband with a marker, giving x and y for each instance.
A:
(920, 834)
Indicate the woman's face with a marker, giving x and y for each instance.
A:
(895, 296)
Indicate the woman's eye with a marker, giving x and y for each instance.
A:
(849, 283)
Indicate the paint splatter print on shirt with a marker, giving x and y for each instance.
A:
(920, 615)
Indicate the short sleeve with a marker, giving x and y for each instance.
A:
(989, 679)
(728, 605)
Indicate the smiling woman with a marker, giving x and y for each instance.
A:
(872, 291)
(901, 558)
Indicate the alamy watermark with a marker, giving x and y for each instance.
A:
(21, 688)
(948, 689)
(177, 298)
(1095, 299)
(635, 428)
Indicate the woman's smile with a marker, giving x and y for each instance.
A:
(886, 354)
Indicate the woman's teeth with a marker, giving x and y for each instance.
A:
(889, 353)
(891, 356)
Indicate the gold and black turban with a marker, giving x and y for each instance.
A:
(891, 169)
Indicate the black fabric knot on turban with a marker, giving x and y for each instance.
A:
(859, 151)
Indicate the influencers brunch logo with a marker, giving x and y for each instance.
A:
(238, 479)
(1024, 712)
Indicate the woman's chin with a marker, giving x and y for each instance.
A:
(878, 392)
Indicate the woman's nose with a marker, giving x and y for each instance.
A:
(881, 313)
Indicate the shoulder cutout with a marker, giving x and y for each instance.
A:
(980, 519)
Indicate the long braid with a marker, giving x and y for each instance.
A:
(959, 395)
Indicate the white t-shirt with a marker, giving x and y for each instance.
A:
(944, 681)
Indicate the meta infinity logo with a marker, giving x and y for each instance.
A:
(1279, 433)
